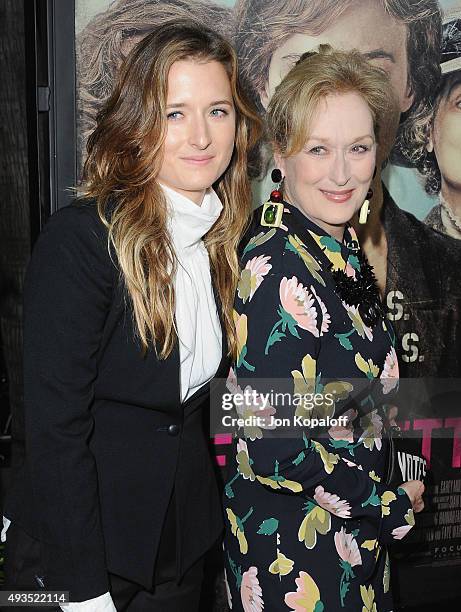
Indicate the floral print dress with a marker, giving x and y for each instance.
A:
(308, 516)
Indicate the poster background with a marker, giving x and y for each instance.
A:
(404, 184)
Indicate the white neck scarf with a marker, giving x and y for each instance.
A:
(197, 320)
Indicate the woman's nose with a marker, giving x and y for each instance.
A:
(199, 134)
(340, 170)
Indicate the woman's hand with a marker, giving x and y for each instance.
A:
(414, 489)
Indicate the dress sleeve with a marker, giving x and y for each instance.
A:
(279, 326)
(68, 292)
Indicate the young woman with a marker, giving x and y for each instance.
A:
(128, 315)
(308, 510)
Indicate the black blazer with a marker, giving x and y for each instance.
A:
(107, 438)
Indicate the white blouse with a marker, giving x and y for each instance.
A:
(197, 320)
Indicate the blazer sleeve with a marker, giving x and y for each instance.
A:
(278, 325)
(68, 292)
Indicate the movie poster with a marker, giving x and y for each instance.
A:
(417, 256)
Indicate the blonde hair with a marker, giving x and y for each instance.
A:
(316, 76)
(124, 158)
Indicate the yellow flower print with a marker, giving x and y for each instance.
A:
(276, 481)
(296, 245)
(332, 250)
(306, 598)
(282, 484)
(241, 328)
(329, 459)
(386, 498)
(368, 598)
(387, 574)
(357, 322)
(317, 519)
(400, 532)
(304, 384)
(237, 528)
(374, 476)
(372, 545)
(243, 461)
(369, 545)
(252, 276)
(282, 565)
(367, 367)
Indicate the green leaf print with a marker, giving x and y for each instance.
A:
(344, 340)
(274, 337)
(242, 361)
(268, 527)
(285, 321)
(288, 321)
(258, 240)
(373, 500)
(331, 244)
(300, 458)
(354, 261)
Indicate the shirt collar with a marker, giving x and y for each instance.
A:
(337, 252)
(188, 222)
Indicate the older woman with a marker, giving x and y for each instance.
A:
(441, 161)
(308, 515)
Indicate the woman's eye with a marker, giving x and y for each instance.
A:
(318, 150)
(219, 112)
(358, 148)
(174, 115)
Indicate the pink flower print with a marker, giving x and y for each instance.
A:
(349, 555)
(346, 433)
(351, 464)
(400, 532)
(390, 374)
(326, 319)
(249, 403)
(252, 276)
(232, 383)
(347, 548)
(306, 598)
(299, 303)
(349, 270)
(372, 424)
(251, 592)
(332, 503)
(259, 266)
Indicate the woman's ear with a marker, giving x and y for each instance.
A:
(264, 96)
(279, 162)
(430, 142)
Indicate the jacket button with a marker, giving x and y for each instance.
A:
(173, 430)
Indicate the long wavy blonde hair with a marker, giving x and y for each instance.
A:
(125, 154)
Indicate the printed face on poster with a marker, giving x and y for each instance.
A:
(402, 38)
(418, 43)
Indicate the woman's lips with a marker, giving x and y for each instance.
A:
(198, 161)
(338, 196)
